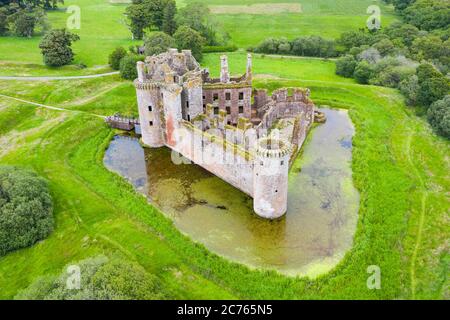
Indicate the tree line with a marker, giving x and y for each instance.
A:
(22, 18)
(412, 56)
(162, 26)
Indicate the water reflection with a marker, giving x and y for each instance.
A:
(312, 237)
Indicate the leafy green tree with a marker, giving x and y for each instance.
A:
(23, 22)
(345, 66)
(196, 15)
(427, 47)
(116, 56)
(26, 209)
(433, 85)
(169, 24)
(439, 116)
(128, 66)
(352, 39)
(101, 279)
(56, 47)
(143, 14)
(158, 42)
(404, 32)
(433, 89)
(363, 72)
(428, 14)
(385, 47)
(410, 89)
(3, 21)
(187, 38)
(138, 18)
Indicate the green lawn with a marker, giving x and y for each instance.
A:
(102, 27)
(400, 169)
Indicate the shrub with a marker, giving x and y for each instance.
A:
(345, 66)
(410, 88)
(26, 209)
(158, 42)
(101, 279)
(55, 47)
(439, 116)
(363, 72)
(116, 56)
(128, 66)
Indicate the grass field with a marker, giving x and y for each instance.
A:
(102, 27)
(400, 167)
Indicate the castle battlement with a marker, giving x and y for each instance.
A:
(213, 122)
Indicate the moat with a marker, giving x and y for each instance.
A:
(310, 239)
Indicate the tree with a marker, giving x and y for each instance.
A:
(101, 279)
(23, 21)
(128, 66)
(432, 90)
(144, 14)
(345, 66)
(428, 14)
(3, 21)
(433, 85)
(352, 39)
(187, 38)
(363, 72)
(169, 25)
(427, 47)
(439, 116)
(138, 18)
(158, 42)
(370, 55)
(56, 47)
(404, 32)
(26, 209)
(410, 89)
(197, 16)
(385, 47)
(116, 56)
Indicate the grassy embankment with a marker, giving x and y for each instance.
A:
(400, 168)
(103, 29)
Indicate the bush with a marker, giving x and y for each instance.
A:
(101, 279)
(158, 42)
(345, 66)
(26, 209)
(439, 116)
(410, 88)
(55, 47)
(116, 56)
(187, 38)
(128, 66)
(363, 72)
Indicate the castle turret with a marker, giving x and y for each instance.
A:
(149, 105)
(270, 178)
(224, 74)
(249, 67)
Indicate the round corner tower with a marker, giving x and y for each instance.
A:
(149, 105)
(270, 177)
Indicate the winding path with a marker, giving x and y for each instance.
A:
(58, 77)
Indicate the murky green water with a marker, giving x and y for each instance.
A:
(311, 239)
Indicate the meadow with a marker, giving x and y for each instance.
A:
(400, 167)
(103, 26)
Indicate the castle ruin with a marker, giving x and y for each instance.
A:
(242, 135)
